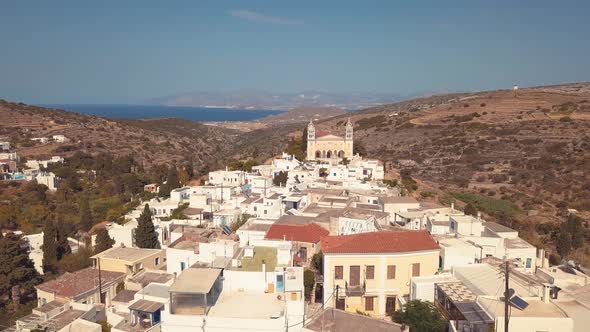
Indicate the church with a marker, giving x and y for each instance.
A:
(327, 147)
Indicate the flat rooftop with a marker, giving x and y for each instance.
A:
(485, 279)
(256, 227)
(247, 305)
(148, 277)
(127, 254)
(536, 308)
(266, 254)
(195, 281)
(156, 290)
(125, 296)
(57, 322)
(498, 228)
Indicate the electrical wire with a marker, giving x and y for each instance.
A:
(313, 315)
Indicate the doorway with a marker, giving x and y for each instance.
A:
(390, 305)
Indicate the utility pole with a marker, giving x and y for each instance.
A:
(99, 282)
(506, 296)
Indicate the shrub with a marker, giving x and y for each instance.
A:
(482, 105)
(308, 282)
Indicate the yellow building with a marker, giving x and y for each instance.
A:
(369, 272)
(130, 260)
(328, 147)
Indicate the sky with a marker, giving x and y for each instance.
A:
(129, 51)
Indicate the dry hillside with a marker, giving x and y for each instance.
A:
(159, 141)
(532, 149)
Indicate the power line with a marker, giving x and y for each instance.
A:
(313, 315)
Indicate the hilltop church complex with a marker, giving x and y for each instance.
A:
(326, 146)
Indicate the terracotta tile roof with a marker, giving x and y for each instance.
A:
(379, 242)
(71, 285)
(310, 233)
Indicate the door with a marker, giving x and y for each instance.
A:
(355, 275)
(341, 304)
(303, 254)
(390, 305)
(280, 283)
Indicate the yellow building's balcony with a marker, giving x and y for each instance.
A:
(358, 290)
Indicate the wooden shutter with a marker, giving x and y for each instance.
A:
(370, 273)
(390, 271)
(339, 272)
(355, 275)
(415, 269)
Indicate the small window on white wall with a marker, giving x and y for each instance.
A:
(157, 261)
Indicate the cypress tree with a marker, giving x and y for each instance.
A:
(172, 182)
(103, 241)
(16, 268)
(85, 215)
(49, 248)
(145, 234)
(63, 245)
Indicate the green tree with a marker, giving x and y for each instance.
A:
(49, 247)
(563, 244)
(359, 148)
(573, 225)
(421, 316)
(145, 234)
(317, 262)
(63, 245)
(280, 179)
(470, 210)
(85, 215)
(242, 219)
(16, 268)
(103, 241)
(308, 282)
(172, 182)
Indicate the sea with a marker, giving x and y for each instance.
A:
(155, 111)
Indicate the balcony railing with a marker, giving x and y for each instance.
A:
(358, 290)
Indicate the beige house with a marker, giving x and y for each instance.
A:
(327, 147)
(81, 287)
(130, 261)
(370, 272)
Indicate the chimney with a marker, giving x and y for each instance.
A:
(546, 292)
(542, 257)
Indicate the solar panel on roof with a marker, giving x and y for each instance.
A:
(518, 302)
(226, 230)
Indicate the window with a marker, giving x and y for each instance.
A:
(182, 266)
(529, 262)
(264, 211)
(338, 272)
(370, 272)
(293, 296)
(415, 269)
(390, 271)
(369, 303)
(157, 261)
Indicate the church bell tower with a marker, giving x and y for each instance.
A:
(348, 130)
(310, 131)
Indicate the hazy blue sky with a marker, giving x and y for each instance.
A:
(128, 51)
